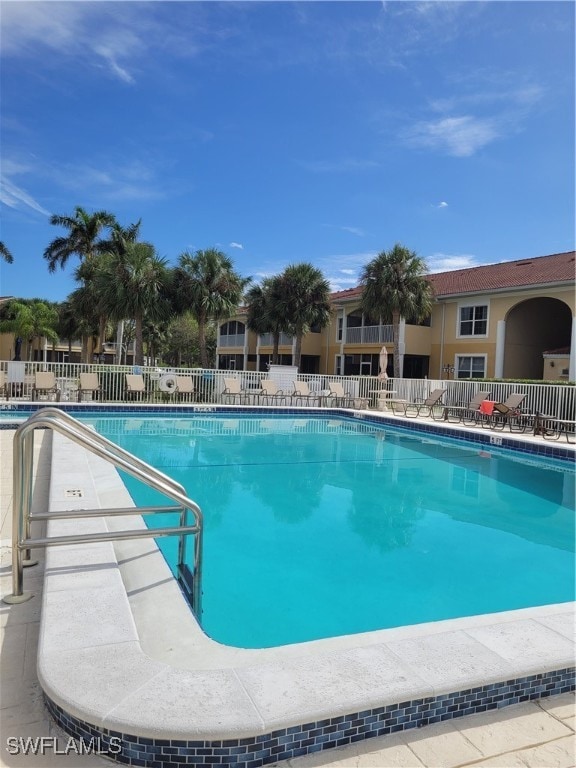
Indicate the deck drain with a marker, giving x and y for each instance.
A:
(73, 493)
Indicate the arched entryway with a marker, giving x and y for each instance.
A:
(532, 327)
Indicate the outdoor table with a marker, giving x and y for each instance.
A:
(381, 397)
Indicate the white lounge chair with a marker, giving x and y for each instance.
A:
(270, 393)
(232, 391)
(45, 384)
(185, 388)
(135, 386)
(89, 384)
(303, 395)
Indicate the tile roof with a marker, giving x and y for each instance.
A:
(542, 270)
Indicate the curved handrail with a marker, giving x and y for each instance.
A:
(55, 419)
(50, 410)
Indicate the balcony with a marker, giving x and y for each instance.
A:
(369, 334)
(232, 340)
(267, 340)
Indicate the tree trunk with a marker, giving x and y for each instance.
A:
(119, 339)
(138, 340)
(298, 350)
(202, 342)
(276, 345)
(396, 334)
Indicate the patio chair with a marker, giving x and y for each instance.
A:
(302, 394)
(16, 376)
(89, 384)
(419, 407)
(135, 386)
(232, 391)
(269, 392)
(45, 384)
(185, 388)
(345, 399)
(339, 395)
(4, 385)
(467, 414)
(508, 413)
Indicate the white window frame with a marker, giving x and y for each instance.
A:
(457, 358)
(459, 321)
(340, 326)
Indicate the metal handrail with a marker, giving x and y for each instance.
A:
(22, 541)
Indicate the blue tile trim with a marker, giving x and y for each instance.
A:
(308, 738)
(543, 449)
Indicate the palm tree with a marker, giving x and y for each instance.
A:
(206, 285)
(264, 311)
(394, 285)
(32, 320)
(5, 254)
(83, 232)
(304, 302)
(133, 286)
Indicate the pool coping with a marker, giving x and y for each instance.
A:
(109, 662)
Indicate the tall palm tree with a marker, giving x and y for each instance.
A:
(133, 286)
(82, 240)
(264, 311)
(206, 285)
(394, 286)
(304, 302)
(5, 254)
(32, 320)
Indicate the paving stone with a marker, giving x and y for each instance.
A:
(510, 729)
(443, 745)
(560, 753)
(562, 706)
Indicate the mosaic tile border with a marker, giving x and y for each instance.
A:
(543, 449)
(305, 739)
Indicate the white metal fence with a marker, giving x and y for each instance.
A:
(558, 400)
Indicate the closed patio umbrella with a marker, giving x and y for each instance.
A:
(383, 363)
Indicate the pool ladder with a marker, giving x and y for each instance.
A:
(22, 542)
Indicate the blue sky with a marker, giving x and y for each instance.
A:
(285, 132)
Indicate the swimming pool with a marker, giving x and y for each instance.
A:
(320, 526)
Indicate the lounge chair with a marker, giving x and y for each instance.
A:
(232, 391)
(419, 407)
(467, 414)
(302, 394)
(135, 386)
(345, 399)
(89, 384)
(269, 392)
(4, 390)
(341, 398)
(45, 384)
(508, 413)
(185, 388)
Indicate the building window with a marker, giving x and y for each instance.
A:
(340, 328)
(473, 320)
(470, 366)
(338, 365)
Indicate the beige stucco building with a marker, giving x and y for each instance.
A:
(515, 319)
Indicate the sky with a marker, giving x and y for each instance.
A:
(285, 132)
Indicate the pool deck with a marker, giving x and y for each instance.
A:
(533, 733)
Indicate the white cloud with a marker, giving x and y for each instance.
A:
(443, 262)
(443, 204)
(354, 231)
(457, 136)
(348, 271)
(237, 245)
(16, 197)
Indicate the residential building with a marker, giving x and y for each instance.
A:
(514, 319)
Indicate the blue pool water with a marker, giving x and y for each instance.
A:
(321, 527)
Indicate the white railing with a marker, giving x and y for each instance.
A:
(369, 334)
(267, 340)
(232, 340)
(558, 400)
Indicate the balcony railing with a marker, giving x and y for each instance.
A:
(369, 334)
(232, 340)
(267, 340)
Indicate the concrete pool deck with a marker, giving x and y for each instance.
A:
(398, 749)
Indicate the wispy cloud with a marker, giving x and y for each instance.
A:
(443, 262)
(457, 136)
(236, 245)
(443, 204)
(17, 198)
